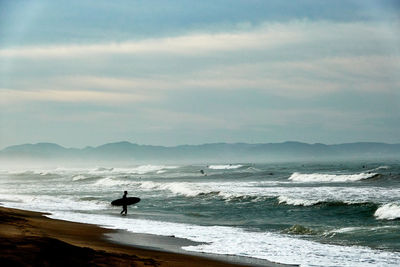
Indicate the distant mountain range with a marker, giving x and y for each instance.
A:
(216, 152)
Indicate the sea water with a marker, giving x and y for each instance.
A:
(313, 214)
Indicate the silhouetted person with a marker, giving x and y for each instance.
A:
(124, 206)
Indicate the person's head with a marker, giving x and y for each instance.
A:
(125, 192)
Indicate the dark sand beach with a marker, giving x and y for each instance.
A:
(30, 239)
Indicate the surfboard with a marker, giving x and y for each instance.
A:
(126, 201)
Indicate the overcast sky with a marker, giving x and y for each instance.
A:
(162, 72)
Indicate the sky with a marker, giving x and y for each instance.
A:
(81, 73)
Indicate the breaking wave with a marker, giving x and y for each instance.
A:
(80, 177)
(102, 169)
(320, 177)
(144, 169)
(47, 203)
(314, 202)
(199, 190)
(384, 167)
(225, 167)
(110, 181)
(373, 229)
(29, 172)
(178, 188)
(390, 211)
(296, 196)
(297, 201)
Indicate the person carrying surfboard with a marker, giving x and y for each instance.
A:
(124, 206)
(125, 202)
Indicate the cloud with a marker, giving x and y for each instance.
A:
(293, 79)
(295, 59)
(10, 97)
(262, 38)
(193, 44)
(138, 84)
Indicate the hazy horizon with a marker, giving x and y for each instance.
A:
(198, 144)
(83, 73)
(125, 153)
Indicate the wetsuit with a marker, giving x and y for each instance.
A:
(124, 206)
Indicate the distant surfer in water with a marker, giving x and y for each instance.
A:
(124, 206)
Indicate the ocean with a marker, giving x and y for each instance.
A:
(312, 214)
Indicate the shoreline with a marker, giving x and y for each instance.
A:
(174, 245)
(29, 238)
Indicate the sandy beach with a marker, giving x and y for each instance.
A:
(30, 239)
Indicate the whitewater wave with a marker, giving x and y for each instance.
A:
(102, 169)
(29, 172)
(142, 169)
(258, 192)
(370, 229)
(202, 190)
(390, 211)
(177, 188)
(297, 201)
(383, 167)
(225, 167)
(319, 201)
(346, 230)
(320, 177)
(111, 181)
(46, 203)
(80, 177)
(224, 191)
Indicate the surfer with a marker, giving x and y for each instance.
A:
(124, 206)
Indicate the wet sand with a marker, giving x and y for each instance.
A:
(30, 239)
